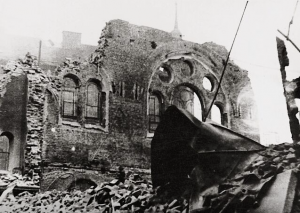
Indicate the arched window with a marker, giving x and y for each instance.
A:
(4, 152)
(216, 114)
(185, 98)
(69, 98)
(197, 107)
(95, 103)
(155, 105)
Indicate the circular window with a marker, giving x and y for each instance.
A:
(164, 74)
(207, 84)
(187, 68)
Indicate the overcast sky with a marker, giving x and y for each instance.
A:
(199, 21)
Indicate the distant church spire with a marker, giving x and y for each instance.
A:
(176, 32)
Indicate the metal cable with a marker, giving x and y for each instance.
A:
(219, 85)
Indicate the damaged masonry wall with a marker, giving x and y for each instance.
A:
(26, 101)
(13, 126)
(133, 55)
(74, 150)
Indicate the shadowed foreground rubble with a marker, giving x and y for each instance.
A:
(243, 193)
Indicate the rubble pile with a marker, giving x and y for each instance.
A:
(134, 195)
(245, 190)
(7, 178)
(237, 194)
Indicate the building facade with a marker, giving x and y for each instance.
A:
(86, 118)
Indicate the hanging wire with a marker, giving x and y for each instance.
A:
(291, 22)
(223, 72)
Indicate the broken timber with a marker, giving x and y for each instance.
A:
(291, 107)
(287, 38)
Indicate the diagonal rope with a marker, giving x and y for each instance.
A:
(223, 72)
(291, 22)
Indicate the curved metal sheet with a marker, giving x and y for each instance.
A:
(182, 144)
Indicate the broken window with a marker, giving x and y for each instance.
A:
(165, 74)
(216, 114)
(186, 68)
(93, 101)
(246, 110)
(4, 152)
(207, 84)
(197, 107)
(185, 98)
(154, 111)
(69, 98)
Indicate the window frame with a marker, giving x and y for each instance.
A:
(6, 153)
(99, 102)
(74, 101)
(154, 115)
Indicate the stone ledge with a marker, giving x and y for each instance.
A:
(70, 123)
(96, 127)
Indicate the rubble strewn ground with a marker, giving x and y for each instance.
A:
(137, 195)
(245, 190)
(27, 180)
(134, 195)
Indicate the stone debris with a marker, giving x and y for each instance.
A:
(35, 108)
(135, 194)
(245, 190)
(30, 179)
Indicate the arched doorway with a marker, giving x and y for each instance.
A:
(185, 98)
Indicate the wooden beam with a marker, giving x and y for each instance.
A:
(287, 38)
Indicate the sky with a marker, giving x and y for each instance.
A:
(199, 21)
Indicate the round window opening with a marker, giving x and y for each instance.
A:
(207, 84)
(187, 68)
(164, 74)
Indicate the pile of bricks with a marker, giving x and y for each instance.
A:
(245, 190)
(276, 159)
(134, 195)
(31, 179)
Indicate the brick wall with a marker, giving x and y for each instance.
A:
(127, 63)
(13, 103)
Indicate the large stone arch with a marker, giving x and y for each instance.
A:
(194, 90)
(178, 51)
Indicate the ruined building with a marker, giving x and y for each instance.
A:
(74, 124)
(291, 91)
